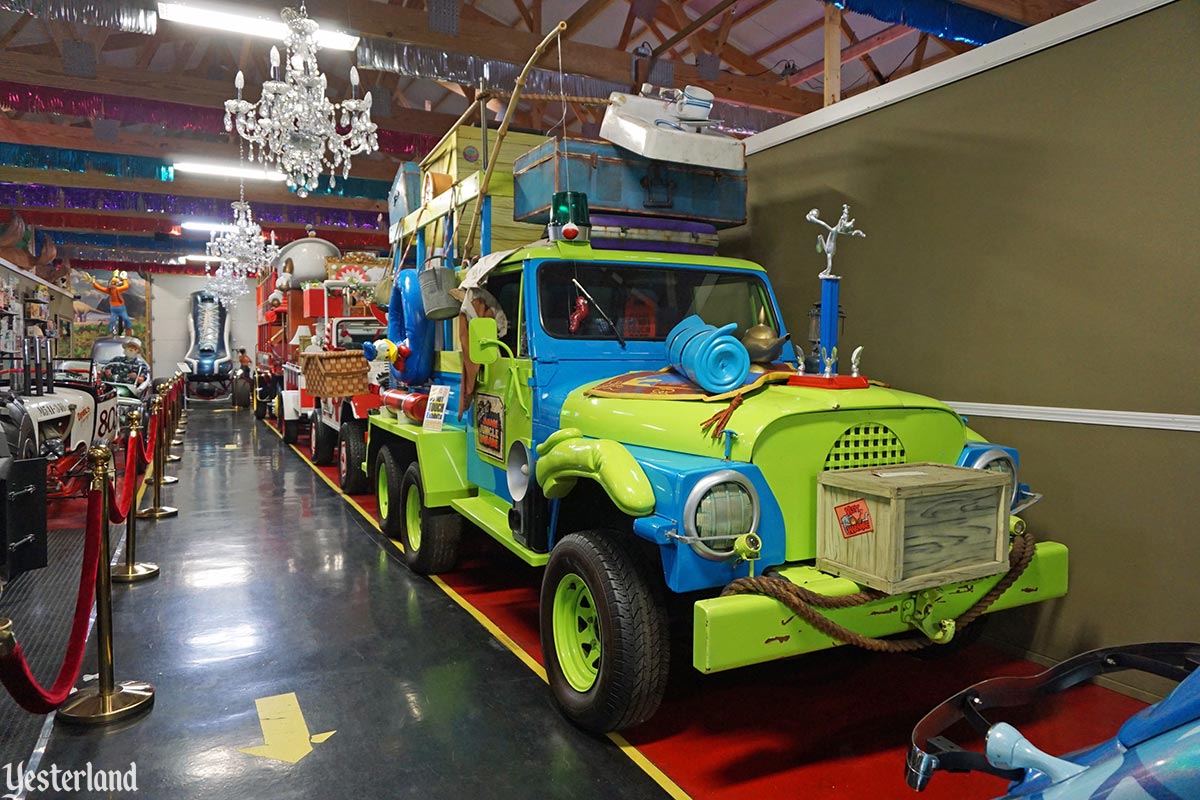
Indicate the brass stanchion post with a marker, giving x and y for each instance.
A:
(132, 570)
(158, 510)
(166, 432)
(180, 422)
(173, 413)
(108, 701)
(8, 640)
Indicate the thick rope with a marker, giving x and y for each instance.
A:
(15, 674)
(805, 603)
(149, 440)
(120, 503)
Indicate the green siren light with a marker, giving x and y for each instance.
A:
(569, 219)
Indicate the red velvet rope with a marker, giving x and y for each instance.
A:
(14, 669)
(118, 507)
(148, 440)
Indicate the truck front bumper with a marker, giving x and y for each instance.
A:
(739, 630)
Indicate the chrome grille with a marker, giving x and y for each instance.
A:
(865, 446)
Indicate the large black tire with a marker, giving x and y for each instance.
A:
(291, 431)
(266, 400)
(322, 441)
(430, 535)
(352, 454)
(239, 395)
(388, 476)
(618, 678)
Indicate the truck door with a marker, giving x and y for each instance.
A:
(501, 410)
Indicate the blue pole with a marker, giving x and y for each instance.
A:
(448, 244)
(830, 305)
(420, 248)
(485, 230)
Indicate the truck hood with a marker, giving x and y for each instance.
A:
(48, 407)
(676, 425)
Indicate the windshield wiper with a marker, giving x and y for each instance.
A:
(599, 310)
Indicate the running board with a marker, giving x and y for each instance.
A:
(491, 513)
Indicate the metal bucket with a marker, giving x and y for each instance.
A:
(436, 283)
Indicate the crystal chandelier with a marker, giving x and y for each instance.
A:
(294, 125)
(240, 253)
(238, 249)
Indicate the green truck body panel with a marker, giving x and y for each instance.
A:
(739, 630)
(442, 455)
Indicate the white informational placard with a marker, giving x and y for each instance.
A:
(183, 367)
(435, 410)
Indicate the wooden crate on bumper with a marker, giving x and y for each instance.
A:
(907, 527)
(335, 373)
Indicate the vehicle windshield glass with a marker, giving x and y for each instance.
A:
(645, 303)
(105, 351)
(352, 334)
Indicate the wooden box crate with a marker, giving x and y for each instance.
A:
(459, 155)
(912, 526)
(335, 373)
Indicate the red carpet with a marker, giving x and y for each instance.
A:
(828, 725)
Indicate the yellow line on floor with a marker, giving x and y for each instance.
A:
(492, 628)
(636, 756)
(657, 775)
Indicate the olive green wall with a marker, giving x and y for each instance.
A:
(1034, 239)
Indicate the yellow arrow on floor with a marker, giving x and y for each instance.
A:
(285, 733)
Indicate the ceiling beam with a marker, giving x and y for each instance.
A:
(170, 88)
(855, 51)
(831, 64)
(169, 148)
(506, 44)
(190, 186)
(866, 59)
(811, 27)
(1026, 12)
(696, 24)
(15, 30)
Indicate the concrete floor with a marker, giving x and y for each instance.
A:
(272, 586)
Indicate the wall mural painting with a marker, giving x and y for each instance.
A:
(98, 309)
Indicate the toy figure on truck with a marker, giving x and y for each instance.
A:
(628, 410)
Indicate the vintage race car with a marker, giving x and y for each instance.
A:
(58, 413)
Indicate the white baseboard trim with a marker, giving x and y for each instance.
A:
(1081, 416)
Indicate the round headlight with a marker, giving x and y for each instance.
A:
(720, 508)
(997, 460)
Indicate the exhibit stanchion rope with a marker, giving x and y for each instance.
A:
(149, 440)
(120, 503)
(15, 674)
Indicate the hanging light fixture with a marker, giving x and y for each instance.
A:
(293, 125)
(239, 250)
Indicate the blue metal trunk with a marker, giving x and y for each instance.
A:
(405, 196)
(617, 181)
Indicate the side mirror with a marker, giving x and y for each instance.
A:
(483, 340)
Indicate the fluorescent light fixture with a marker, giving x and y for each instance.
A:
(227, 171)
(208, 227)
(200, 257)
(267, 27)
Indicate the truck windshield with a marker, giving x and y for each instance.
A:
(645, 303)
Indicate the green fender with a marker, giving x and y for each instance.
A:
(567, 456)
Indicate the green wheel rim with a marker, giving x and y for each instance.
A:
(576, 632)
(412, 518)
(381, 491)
